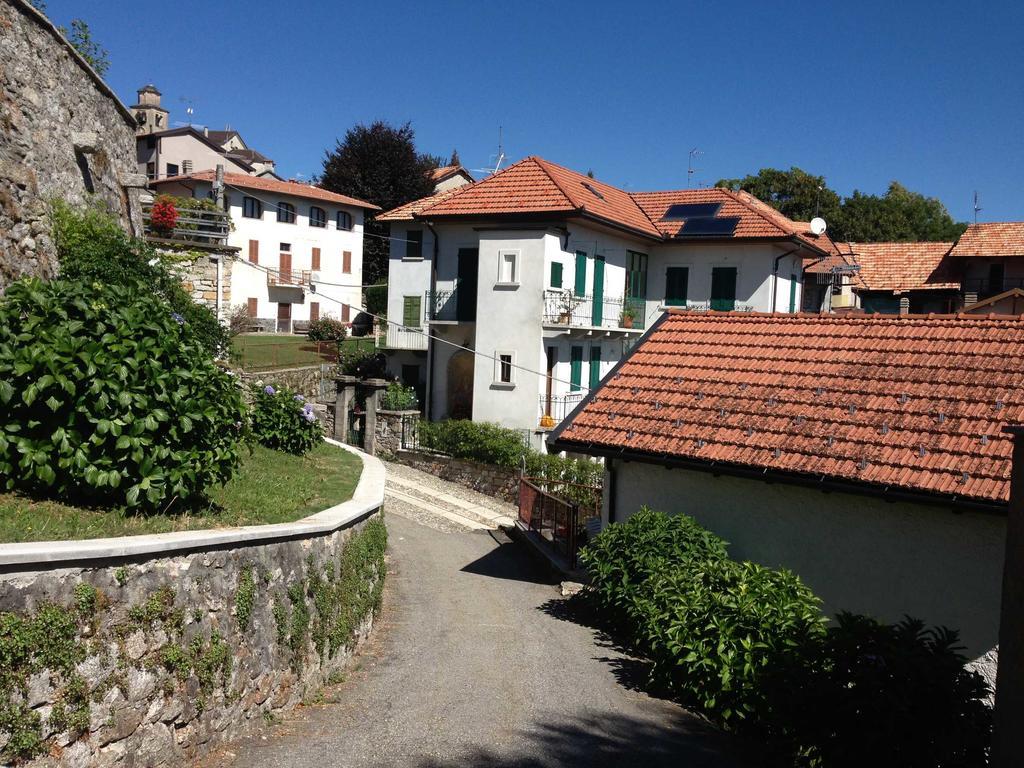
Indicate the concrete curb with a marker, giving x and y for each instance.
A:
(367, 498)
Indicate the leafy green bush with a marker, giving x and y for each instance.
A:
(326, 329)
(283, 420)
(105, 398)
(870, 689)
(399, 398)
(360, 361)
(376, 297)
(92, 247)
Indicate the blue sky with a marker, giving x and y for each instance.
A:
(928, 93)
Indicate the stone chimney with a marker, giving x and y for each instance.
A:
(150, 117)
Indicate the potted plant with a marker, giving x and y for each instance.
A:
(628, 315)
(565, 308)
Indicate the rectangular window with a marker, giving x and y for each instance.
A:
(414, 244)
(254, 251)
(508, 267)
(286, 213)
(286, 247)
(314, 260)
(151, 170)
(723, 289)
(346, 262)
(676, 283)
(172, 169)
(636, 276)
(556, 274)
(317, 216)
(314, 311)
(411, 311)
(251, 306)
(575, 369)
(252, 208)
(595, 365)
(503, 368)
(579, 286)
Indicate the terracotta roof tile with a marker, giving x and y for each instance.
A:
(440, 174)
(903, 266)
(1002, 238)
(408, 211)
(272, 185)
(915, 403)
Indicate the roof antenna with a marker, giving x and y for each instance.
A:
(976, 206)
(690, 170)
(500, 157)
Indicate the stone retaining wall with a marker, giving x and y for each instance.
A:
(155, 659)
(389, 430)
(500, 482)
(305, 380)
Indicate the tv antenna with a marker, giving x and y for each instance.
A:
(500, 158)
(189, 110)
(976, 206)
(690, 170)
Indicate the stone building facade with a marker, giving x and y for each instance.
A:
(63, 134)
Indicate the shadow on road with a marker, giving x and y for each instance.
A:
(607, 740)
(508, 561)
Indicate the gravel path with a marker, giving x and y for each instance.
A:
(474, 664)
(433, 482)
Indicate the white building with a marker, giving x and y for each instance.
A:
(548, 276)
(294, 239)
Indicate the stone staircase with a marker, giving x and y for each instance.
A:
(456, 509)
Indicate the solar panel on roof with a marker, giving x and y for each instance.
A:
(705, 226)
(683, 211)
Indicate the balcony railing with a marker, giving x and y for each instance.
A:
(554, 408)
(404, 337)
(983, 288)
(442, 304)
(193, 227)
(288, 278)
(566, 308)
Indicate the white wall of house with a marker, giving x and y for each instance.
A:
(452, 182)
(859, 554)
(175, 150)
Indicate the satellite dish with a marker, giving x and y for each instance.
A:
(818, 225)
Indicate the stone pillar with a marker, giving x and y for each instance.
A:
(374, 388)
(1008, 739)
(342, 405)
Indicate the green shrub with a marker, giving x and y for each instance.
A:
(326, 329)
(357, 360)
(376, 297)
(92, 247)
(104, 398)
(283, 420)
(399, 398)
(870, 689)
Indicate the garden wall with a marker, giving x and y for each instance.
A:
(500, 482)
(307, 381)
(63, 133)
(153, 650)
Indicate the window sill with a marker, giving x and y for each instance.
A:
(503, 385)
(412, 258)
(506, 286)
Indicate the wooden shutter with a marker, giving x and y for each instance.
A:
(346, 262)
(411, 311)
(254, 251)
(723, 289)
(285, 268)
(597, 311)
(556, 274)
(252, 307)
(580, 285)
(792, 294)
(344, 313)
(314, 311)
(575, 369)
(676, 285)
(314, 262)
(595, 365)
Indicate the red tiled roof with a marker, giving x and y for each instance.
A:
(408, 211)
(440, 174)
(910, 403)
(903, 266)
(272, 185)
(1001, 238)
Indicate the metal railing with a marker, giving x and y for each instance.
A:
(984, 287)
(563, 307)
(557, 407)
(288, 278)
(260, 353)
(403, 337)
(564, 524)
(192, 227)
(717, 306)
(442, 304)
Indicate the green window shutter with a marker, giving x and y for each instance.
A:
(575, 369)
(723, 289)
(556, 274)
(597, 312)
(792, 293)
(676, 283)
(595, 365)
(580, 285)
(636, 276)
(411, 311)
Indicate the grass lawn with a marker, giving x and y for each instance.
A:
(269, 487)
(266, 351)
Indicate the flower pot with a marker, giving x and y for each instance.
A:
(627, 322)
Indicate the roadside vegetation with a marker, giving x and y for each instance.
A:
(748, 647)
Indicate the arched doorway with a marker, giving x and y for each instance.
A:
(460, 385)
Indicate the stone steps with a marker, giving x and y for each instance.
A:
(414, 501)
(446, 504)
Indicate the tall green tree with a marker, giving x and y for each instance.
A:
(799, 195)
(378, 163)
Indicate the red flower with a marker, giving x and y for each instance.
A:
(163, 215)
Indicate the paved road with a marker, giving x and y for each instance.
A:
(472, 666)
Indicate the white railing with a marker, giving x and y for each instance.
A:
(404, 337)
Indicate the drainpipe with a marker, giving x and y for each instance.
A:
(429, 406)
(611, 489)
(218, 187)
(775, 274)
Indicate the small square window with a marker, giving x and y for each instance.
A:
(172, 169)
(508, 267)
(286, 247)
